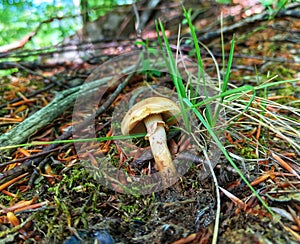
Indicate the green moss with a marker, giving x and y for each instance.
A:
(75, 199)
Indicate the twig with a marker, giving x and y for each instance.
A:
(3, 105)
(218, 211)
(43, 153)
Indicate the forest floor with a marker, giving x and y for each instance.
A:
(50, 196)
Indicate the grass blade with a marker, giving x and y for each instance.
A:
(219, 144)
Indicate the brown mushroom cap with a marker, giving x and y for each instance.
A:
(133, 120)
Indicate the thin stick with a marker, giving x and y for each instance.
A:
(218, 211)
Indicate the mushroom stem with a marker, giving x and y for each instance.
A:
(158, 142)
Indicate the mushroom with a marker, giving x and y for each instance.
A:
(152, 115)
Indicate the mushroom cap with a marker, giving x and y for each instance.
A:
(133, 120)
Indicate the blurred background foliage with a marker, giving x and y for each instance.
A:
(55, 19)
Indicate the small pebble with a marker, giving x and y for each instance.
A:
(94, 236)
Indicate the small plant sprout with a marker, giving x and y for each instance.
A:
(153, 115)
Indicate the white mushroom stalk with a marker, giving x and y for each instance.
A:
(156, 134)
(152, 115)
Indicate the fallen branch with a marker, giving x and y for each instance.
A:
(208, 36)
(17, 44)
(62, 101)
(87, 88)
